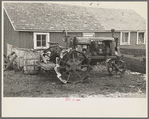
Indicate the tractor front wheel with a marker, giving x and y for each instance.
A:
(116, 67)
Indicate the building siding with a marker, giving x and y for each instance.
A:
(133, 42)
(10, 36)
(26, 40)
(133, 39)
(107, 34)
(57, 37)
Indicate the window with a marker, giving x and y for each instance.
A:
(41, 40)
(140, 37)
(88, 34)
(125, 38)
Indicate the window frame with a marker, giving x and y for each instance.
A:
(121, 33)
(47, 40)
(138, 37)
(88, 34)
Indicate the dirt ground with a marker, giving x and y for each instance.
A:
(99, 84)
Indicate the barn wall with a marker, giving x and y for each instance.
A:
(133, 42)
(133, 39)
(10, 36)
(107, 34)
(26, 40)
(57, 37)
(75, 34)
(133, 48)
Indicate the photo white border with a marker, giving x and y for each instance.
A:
(86, 107)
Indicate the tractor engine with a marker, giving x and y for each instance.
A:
(92, 48)
(97, 48)
(84, 46)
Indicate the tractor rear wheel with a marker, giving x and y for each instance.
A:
(74, 67)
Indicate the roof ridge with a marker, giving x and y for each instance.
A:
(54, 16)
(91, 7)
(66, 5)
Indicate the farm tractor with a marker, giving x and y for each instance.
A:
(73, 63)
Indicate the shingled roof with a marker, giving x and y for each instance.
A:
(57, 17)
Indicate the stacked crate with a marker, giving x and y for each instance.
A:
(26, 59)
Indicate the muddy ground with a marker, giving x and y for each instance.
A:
(99, 84)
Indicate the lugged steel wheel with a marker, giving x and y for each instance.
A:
(116, 67)
(74, 67)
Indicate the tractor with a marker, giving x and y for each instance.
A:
(73, 63)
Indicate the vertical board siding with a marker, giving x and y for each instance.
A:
(133, 39)
(75, 34)
(58, 36)
(107, 34)
(29, 39)
(133, 42)
(22, 40)
(26, 40)
(10, 36)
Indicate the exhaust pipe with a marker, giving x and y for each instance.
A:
(66, 38)
(116, 39)
(64, 31)
(117, 49)
(113, 30)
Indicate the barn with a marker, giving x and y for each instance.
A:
(33, 25)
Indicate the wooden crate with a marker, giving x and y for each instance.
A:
(30, 66)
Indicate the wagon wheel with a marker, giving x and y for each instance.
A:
(74, 67)
(10, 63)
(116, 67)
(5, 65)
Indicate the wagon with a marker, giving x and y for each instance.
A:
(73, 63)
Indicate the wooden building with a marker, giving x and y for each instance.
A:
(32, 25)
